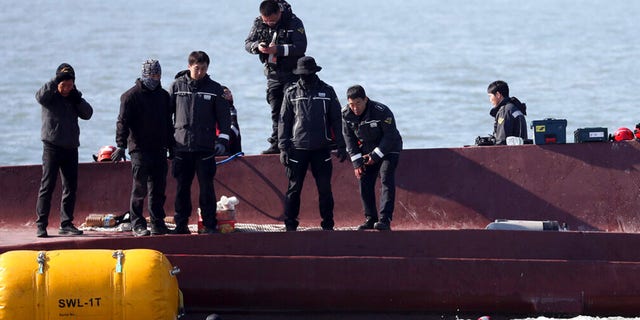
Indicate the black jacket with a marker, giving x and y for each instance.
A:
(144, 122)
(510, 120)
(291, 41)
(60, 115)
(374, 132)
(310, 118)
(198, 106)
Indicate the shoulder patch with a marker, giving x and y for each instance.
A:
(388, 120)
(301, 30)
(379, 107)
(322, 94)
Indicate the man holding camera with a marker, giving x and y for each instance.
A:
(278, 38)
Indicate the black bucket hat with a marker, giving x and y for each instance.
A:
(306, 65)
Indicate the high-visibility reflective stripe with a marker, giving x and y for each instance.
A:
(378, 152)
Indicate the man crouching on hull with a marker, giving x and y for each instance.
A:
(374, 144)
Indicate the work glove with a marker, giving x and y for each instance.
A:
(118, 155)
(221, 146)
(75, 96)
(341, 154)
(284, 157)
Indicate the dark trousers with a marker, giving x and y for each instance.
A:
(185, 166)
(277, 83)
(55, 158)
(386, 169)
(149, 170)
(321, 168)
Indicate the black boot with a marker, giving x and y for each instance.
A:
(383, 225)
(273, 149)
(368, 224)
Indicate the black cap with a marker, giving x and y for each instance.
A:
(65, 72)
(306, 65)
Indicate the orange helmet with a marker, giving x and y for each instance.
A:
(623, 134)
(104, 154)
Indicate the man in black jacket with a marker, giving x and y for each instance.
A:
(62, 105)
(309, 128)
(199, 107)
(509, 113)
(144, 126)
(374, 144)
(278, 38)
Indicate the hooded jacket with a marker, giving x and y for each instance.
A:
(197, 105)
(310, 117)
(144, 122)
(291, 41)
(510, 120)
(60, 115)
(374, 132)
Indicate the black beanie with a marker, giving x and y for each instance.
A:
(65, 72)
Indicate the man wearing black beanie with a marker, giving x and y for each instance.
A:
(62, 105)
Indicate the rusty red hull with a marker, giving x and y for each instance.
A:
(437, 260)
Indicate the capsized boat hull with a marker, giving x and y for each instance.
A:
(437, 259)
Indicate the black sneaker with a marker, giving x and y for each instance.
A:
(368, 224)
(141, 232)
(382, 225)
(181, 229)
(290, 228)
(159, 229)
(42, 232)
(69, 230)
(273, 149)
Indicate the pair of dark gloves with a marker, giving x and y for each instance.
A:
(220, 149)
(285, 155)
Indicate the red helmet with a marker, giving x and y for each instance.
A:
(104, 154)
(623, 134)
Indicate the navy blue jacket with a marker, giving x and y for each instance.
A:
(374, 133)
(198, 107)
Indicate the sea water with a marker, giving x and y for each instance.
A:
(429, 61)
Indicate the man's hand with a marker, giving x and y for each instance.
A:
(75, 96)
(220, 149)
(221, 146)
(284, 158)
(270, 49)
(368, 160)
(359, 172)
(118, 155)
(170, 153)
